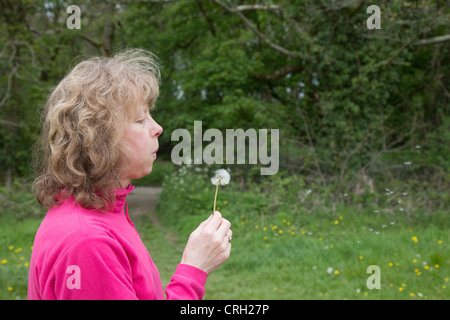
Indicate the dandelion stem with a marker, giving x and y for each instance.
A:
(215, 197)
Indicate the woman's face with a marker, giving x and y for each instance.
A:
(142, 134)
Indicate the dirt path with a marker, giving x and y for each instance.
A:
(143, 200)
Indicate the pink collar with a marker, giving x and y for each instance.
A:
(124, 192)
(121, 201)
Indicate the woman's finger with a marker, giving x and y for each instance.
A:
(206, 221)
(224, 227)
(214, 223)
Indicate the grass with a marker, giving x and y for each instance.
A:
(275, 255)
(332, 262)
(16, 239)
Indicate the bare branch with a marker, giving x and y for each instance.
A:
(8, 88)
(10, 123)
(207, 18)
(244, 7)
(434, 22)
(259, 34)
(278, 74)
(434, 40)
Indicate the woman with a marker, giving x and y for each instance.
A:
(97, 135)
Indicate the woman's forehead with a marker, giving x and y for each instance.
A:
(138, 105)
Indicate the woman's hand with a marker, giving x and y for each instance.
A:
(209, 245)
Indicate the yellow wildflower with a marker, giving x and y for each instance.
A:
(414, 238)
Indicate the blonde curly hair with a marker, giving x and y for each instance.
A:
(81, 151)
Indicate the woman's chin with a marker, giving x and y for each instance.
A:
(148, 170)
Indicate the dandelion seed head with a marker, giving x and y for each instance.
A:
(221, 177)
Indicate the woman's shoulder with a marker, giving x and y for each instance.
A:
(69, 223)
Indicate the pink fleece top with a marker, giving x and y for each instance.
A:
(85, 254)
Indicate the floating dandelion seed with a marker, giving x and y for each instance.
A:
(221, 177)
(407, 164)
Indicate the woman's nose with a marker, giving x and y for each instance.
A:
(157, 129)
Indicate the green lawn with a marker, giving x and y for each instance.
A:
(309, 257)
(287, 260)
